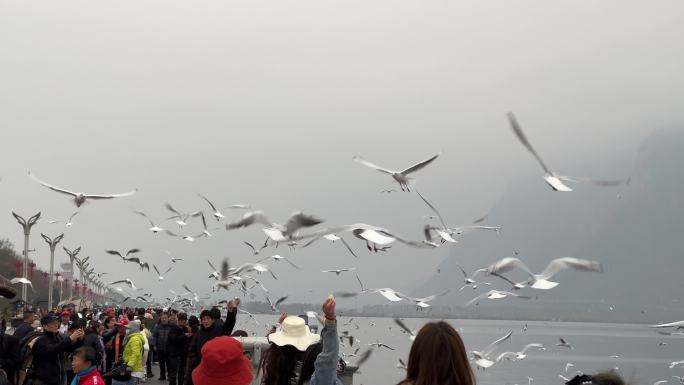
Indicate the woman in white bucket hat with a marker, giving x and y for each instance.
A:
(281, 363)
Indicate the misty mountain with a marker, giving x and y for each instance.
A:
(635, 230)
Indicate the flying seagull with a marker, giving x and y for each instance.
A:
(181, 218)
(338, 271)
(80, 198)
(373, 235)
(277, 258)
(274, 305)
(410, 333)
(482, 357)
(380, 345)
(115, 252)
(677, 324)
(277, 232)
(541, 281)
(423, 302)
(256, 251)
(68, 223)
(470, 281)
(518, 356)
(154, 228)
(564, 344)
(495, 294)
(402, 177)
(554, 180)
(160, 275)
(126, 281)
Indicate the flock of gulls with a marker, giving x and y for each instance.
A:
(298, 231)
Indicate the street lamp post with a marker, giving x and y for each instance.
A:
(52, 242)
(72, 256)
(26, 225)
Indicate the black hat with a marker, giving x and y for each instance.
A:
(49, 319)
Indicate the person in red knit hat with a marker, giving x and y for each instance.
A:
(83, 362)
(223, 362)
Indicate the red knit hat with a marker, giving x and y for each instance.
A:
(223, 362)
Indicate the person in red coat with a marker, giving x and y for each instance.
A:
(84, 364)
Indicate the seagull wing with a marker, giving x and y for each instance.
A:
(465, 275)
(167, 270)
(249, 219)
(530, 346)
(490, 348)
(364, 357)
(348, 247)
(403, 326)
(432, 208)
(280, 300)
(211, 265)
(225, 268)
(111, 196)
(523, 139)
(598, 182)
(145, 215)
(372, 165)
(51, 187)
(249, 244)
(298, 220)
(73, 215)
(132, 251)
(508, 264)
(155, 269)
(569, 263)
(114, 252)
(419, 165)
(208, 201)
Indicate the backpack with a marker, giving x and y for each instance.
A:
(26, 356)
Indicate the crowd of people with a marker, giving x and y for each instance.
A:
(119, 346)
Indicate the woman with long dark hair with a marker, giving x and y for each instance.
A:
(438, 357)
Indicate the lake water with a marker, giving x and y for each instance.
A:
(640, 356)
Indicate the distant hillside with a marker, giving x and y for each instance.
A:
(636, 231)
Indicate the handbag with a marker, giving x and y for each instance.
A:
(120, 371)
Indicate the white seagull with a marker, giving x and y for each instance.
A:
(276, 231)
(80, 198)
(338, 271)
(541, 281)
(126, 281)
(482, 357)
(564, 344)
(160, 275)
(554, 180)
(373, 235)
(278, 258)
(495, 294)
(518, 356)
(405, 329)
(470, 281)
(154, 228)
(256, 251)
(68, 223)
(181, 218)
(401, 177)
(677, 324)
(423, 302)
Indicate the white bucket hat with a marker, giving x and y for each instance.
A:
(294, 331)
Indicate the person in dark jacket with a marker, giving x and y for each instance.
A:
(160, 344)
(179, 339)
(93, 340)
(108, 338)
(48, 350)
(26, 327)
(10, 362)
(207, 331)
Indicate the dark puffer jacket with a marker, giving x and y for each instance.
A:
(48, 360)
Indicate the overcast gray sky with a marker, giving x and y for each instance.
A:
(266, 103)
